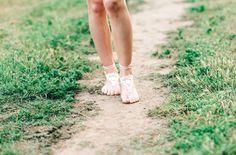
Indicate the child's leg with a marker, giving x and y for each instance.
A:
(122, 31)
(100, 31)
(101, 35)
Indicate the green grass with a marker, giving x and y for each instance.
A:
(43, 54)
(43, 47)
(202, 105)
(134, 5)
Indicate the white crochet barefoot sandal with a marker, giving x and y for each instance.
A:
(112, 81)
(127, 85)
(127, 81)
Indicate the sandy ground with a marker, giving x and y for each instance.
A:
(112, 130)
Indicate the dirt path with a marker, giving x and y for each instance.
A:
(110, 132)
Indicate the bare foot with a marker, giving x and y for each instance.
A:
(112, 85)
(129, 93)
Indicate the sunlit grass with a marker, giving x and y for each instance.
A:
(42, 60)
(202, 107)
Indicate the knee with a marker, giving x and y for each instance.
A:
(114, 6)
(96, 6)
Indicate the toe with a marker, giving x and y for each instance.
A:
(108, 92)
(125, 99)
(104, 90)
(112, 92)
(134, 98)
(117, 91)
(131, 99)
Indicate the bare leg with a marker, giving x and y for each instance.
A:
(101, 35)
(122, 31)
(100, 31)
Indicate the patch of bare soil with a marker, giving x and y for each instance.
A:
(111, 131)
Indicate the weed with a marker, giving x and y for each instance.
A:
(201, 107)
(43, 57)
(198, 9)
(165, 54)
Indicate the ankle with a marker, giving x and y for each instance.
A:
(110, 69)
(125, 70)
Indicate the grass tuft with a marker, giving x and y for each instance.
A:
(201, 110)
(43, 57)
